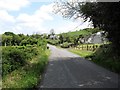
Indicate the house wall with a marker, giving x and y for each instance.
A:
(94, 38)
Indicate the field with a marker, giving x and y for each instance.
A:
(84, 32)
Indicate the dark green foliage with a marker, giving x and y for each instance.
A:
(106, 57)
(23, 59)
(105, 15)
(65, 45)
(61, 38)
(12, 58)
(28, 75)
(53, 42)
(11, 39)
(73, 37)
(15, 57)
(9, 33)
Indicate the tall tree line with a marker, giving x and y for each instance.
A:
(11, 39)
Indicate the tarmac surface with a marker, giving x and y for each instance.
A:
(68, 70)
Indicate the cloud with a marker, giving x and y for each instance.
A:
(24, 22)
(42, 0)
(41, 20)
(72, 26)
(25, 18)
(45, 11)
(13, 5)
(34, 22)
(5, 17)
(6, 21)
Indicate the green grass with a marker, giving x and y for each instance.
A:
(107, 57)
(28, 75)
(82, 53)
(83, 32)
(103, 56)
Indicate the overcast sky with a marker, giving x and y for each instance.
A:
(34, 16)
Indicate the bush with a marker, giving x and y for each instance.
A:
(12, 58)
(106, 57)
(15, 57)
(53, 42)
(65, 45)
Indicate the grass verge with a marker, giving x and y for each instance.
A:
(28, 75)
(103, 56)
(82, 53)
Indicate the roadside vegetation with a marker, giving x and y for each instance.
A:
(104, 56)
(101, 15)
(107, 57)
(23, 63)
(65, 40)
(25, 56)
(82, 53)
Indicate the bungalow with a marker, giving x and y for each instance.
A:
(96, 38)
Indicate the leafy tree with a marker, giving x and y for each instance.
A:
(37, 36)
(6, 40)
(24, 42)
(52, 32)
(105, 15)
(61, 38)
(16, 40)
(68, 39)
(9, 33)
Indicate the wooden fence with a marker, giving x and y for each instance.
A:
(87, 47)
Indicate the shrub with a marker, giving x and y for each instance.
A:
(65, 45)
(107, 57)
(12, 58)
(15, 57)
(53, 42)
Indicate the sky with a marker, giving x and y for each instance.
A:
(35, 16)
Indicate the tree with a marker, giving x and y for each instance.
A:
(68, 39)
(6, 40)
(9, 33)
(16, 40)
(61, 38)
(52, 32)
(24, 42)
(105, 15)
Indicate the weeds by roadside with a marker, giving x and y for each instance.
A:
(103, 56)
(28, 75)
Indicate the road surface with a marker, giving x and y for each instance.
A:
(68, 70)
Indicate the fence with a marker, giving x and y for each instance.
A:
(88, 47)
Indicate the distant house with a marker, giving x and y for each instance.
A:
(53, 37)
(96, 38)
(84, 39)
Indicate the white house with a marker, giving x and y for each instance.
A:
(96, 38)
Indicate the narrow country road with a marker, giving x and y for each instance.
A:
(68, 70)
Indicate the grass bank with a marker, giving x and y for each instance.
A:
(104, 56)
(28, 75)
(82, 53)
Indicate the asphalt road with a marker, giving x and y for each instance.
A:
(68, 70)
